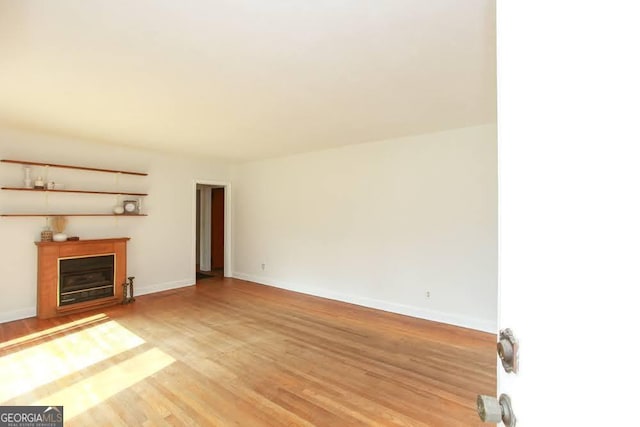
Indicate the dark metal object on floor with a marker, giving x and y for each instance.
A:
(127, 289)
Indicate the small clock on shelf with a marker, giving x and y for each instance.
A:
(131, 207)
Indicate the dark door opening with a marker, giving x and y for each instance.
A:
(210, 212)
(217, 229)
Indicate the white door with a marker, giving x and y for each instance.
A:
(569, 167)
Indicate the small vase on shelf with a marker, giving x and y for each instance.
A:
(27, 177)
(59, 224)
(59, 237)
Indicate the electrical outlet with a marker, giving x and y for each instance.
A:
(263, 266)
(427, 295)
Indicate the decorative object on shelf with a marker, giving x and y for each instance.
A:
(59, 224)
(46, 235)
(131, 207)
(51, 185)
(27, 177)
(38, 184)
(118, 210)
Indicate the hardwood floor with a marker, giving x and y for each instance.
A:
(230, 352)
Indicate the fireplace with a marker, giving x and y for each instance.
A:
(85, 279)
(75, 276)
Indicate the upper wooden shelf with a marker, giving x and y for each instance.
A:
(54, 165)
(117, 193)
(71, 214)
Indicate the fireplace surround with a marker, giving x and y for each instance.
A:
(80, 275)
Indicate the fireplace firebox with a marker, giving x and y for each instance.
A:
(85, 279)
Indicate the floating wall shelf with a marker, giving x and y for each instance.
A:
(82, 168)
(117, 193)
(54, 165)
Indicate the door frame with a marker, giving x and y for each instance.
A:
(228, 258)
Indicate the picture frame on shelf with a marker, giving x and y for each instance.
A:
(131, 207)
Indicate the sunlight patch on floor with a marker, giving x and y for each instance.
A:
(87, 393)
(52, 331)
(27, 369)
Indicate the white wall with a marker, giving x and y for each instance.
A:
(161, 250)
(378, 224)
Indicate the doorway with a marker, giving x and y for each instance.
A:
(210, 241)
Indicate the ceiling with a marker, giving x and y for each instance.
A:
(246, 79)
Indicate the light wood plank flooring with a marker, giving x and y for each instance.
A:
(229, 352)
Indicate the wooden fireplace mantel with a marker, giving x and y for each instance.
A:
(48, 255)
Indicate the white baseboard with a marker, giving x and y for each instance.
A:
(10, 316)
(159, 287)
(407, 310)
